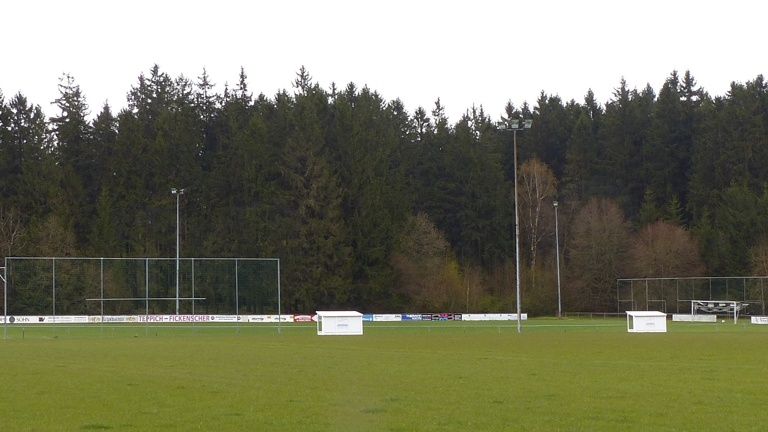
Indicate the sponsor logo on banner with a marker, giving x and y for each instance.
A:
(411, 317)
(66, 319)
(269, 318)
(303, 318)
(493, 317)
(184, 318)
(759, 320)
(386, 317)
(367, 317)
(116, 319)
(426, 317)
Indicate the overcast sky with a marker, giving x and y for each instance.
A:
(467, 53)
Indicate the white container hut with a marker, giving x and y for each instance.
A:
(646, 322)
(339, 323)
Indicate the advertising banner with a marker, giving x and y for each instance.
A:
(273, 318)
(186, 318)
(694, 318)
(268, 318)
(48, 319)
(113, 319)
(493, 317)
(759, 320)
(387, 317)
(26, 319)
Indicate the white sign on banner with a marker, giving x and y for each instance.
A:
(268, 318)
(113, 319)
(387, 317)
(493, 317)
(759, 320)
(186, 318)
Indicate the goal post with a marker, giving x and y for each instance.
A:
(719, 307)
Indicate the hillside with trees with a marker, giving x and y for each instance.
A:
(372, 207)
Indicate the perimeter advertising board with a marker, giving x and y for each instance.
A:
(290, 318)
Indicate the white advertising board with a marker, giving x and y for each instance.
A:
(387, 317)
(759, 320)
(268, 318)
(694, 318)
(493, 317)
(113, 319)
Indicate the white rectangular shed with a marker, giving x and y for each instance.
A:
(339, 323)
(646, 322)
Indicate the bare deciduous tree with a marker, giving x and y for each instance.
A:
(51, 238)
(11, 231)
(598, 253)
(427, 271)
(759, 258)
(538, 187)
(662, 249)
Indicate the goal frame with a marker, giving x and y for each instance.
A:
(733, 307)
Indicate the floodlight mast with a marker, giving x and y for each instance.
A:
(178, 193)
(514, 125)
(557, 253)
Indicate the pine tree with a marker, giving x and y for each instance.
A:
(310, 215)
(77, 154)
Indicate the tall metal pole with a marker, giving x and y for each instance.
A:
(177, 253)
(557, 253)
(5, 299)
(177, 192)
(516, 125)
(517, 237)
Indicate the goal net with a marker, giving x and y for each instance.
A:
(719, 307)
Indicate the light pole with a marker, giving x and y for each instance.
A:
(514, 126)
(178, 193)
(557, 253)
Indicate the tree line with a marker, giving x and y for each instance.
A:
(372, 207)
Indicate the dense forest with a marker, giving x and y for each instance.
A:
(372, 207)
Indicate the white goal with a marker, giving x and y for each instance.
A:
(718, 307)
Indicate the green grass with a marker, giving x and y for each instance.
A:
(569, 375)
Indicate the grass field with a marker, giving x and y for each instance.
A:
(568, 375)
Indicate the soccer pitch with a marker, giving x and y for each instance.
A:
(567, 375)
